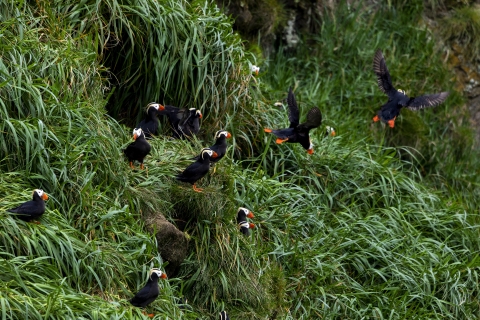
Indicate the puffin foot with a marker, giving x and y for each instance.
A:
(131, 165)
(35, 222)
(141, 166)
(196, 189)
(376, 118)
(267, 130)
(280, 141)
(391, 123)
(150, 315)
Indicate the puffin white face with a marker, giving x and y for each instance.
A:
(208, 152)
(155, 105)
(158, 272)
(330, 131)
(137, 132)
(41, 194)
(401, 91)
(219, 133)
(255, 69)
(198, 114)
(247, 212)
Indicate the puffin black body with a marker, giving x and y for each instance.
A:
(150, 291)
(32, 209)
(149, 125)
(198, 169)
(220, 146)
(298, 132)
(138, 149)
(397, 99)
(184, 122)
(245, 226)
(224, 316)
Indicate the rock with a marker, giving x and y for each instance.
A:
(172, 243)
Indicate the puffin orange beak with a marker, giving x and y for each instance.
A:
(250, 215)
(135, 136)
(267, 130)
(228, 135)
(310, 151)
(161, 108)
(251, 226)
(256, 72)
(200, 116)
(45, 196)
(333, 134)
(214, 155)
(163, 276)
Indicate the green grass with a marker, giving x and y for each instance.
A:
(377, 223)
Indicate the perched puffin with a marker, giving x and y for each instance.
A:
(397, 98)
(255, 69)
(184, 122)
(149, 125)
(224, 316)
(198, 169)
(220, 146)
(33, 209)
(242, 215)
(138, 149)
(298, 132)
(150, 291)
(330, 131)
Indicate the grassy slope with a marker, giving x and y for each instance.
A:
(363, 228)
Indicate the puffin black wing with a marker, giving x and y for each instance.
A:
(293, 113)
(426, 101)
(314, 119)
(145, 296)
(383, 76)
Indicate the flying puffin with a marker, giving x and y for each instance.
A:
(198, 169)
(298, 132)
(150, 291)
(32, 209)
(149, 125)
(184, 122)
(138, 149)
(242, 215)
(220, 146)
(224, 316)
(397, 98)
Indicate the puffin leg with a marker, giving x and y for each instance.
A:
(35, 222)
(141, 166)
(280, 141)
(391, 123)
(196, 189)
(267, 130)
(131, 165)
(376, 118)
(150, 315)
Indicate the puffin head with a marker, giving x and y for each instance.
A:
(209, 152)
(155, 105)
(41, 194)
(198, 114)
(224, 316)
(225, 133)
(247, 212)
(158, 272)
(137, 132)
(330, 131)
(255, 69)
(401, 91)
(310, 148)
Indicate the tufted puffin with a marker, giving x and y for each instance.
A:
(255, 69)
(184, 122)
(32, 209)
(397, 98)
(298, 132)
(242, 215)
(150, 291)
(149, 125)
(220, 146)
(224, 316)
(138, 149)
(198, 169)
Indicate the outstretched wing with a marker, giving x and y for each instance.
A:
(426, 101)
(314, 119)
(293, 113)
(383, 76)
